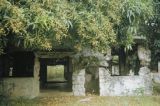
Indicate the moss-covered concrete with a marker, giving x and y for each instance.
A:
(20, 87)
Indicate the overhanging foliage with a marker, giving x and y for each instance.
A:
(74, 24)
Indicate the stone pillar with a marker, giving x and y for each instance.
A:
(78, 83)
(104, 76)
(36, 76)
(36, 68)
(115, 70)
(144, 55)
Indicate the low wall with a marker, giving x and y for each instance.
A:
(20, 87)
(123, 85)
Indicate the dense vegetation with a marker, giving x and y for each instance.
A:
(153, 30)
(74, 24)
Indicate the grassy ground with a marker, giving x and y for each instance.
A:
(60, 98)
(86, 101)
(66, 99)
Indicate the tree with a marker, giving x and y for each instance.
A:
(72, 24)
(153, 36)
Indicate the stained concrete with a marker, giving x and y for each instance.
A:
(124, 86)
(20, 87)
(78, 82)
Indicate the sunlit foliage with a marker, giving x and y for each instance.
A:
(72, 24)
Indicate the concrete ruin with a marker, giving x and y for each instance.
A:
(156, 76)
(110, 85)
(86, 72)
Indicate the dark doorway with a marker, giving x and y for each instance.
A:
(55, 74)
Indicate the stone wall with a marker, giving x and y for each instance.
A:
(20, 87)
(116, 85)
(123, 85)
(144, 55)
(78, 83)
(36, 68)
(128, 85)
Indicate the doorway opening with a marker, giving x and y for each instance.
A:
(55, 73)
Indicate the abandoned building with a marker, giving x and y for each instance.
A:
(117, 73)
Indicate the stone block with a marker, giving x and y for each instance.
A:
(126, 85)
(78, 81)
(103, 64)
(144, 54)
(144, 71)
(21, 87)
(77, 93)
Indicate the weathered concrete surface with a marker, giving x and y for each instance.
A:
(78, 83)
(123, 85)
(20, 87)
(144, 71)
(156, 77)
(36, 68)
(144, 55)
(115, 70)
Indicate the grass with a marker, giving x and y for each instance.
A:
(91, 100)
(86, 101)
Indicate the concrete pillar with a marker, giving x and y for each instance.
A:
(104, 77)
(36, 68)
(144, 55)
(36, 76)
(115, 70)
(78, 83)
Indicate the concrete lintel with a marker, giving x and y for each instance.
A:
(53, 54)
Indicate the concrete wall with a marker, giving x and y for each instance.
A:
(123, 85)
(17, 87)
(22, 86)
